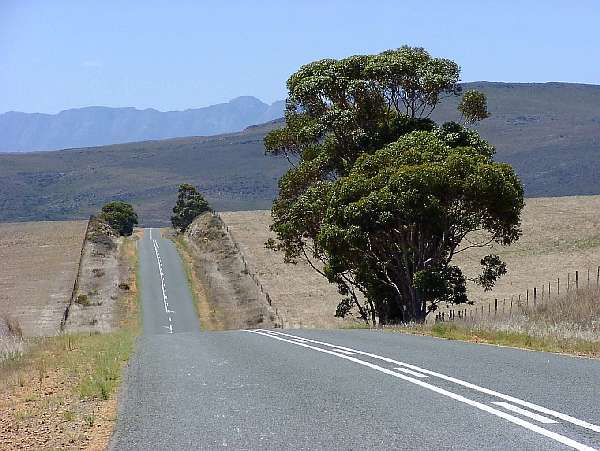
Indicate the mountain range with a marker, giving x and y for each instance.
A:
(549, 132)
(96, 126)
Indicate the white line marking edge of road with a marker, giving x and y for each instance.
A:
(518, 421)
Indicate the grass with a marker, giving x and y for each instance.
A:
(72, 376)
(567, 324)
(210, 317)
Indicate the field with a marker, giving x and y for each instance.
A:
(39, 266)
(560, 235)
(302, 296)
(60, 393)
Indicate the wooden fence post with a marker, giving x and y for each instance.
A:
(558, 286)
(534, 295)
(588, 278)
(576, 280)
(495, 306)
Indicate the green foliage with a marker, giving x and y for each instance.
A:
(190, 204)
(493, 269)
(379, 193)
(473, 106)
(120, 216)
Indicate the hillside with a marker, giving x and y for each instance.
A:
(231, 170)
(549, 132)
(95, 126)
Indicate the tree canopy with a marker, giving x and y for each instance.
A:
(190, 204)
(120, 216)
(380, 194)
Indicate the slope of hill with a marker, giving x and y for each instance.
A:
(95, 126)
(231, 170)
(549, 132)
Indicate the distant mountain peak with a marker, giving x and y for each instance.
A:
(100, 125)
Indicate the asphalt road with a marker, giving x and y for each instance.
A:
(343, 389)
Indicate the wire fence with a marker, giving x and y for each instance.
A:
(532, 297)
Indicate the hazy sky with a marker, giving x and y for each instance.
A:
(177, 54)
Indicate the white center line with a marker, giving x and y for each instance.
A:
(162, 283)
(411, 372)
(525, 413)
(512, 399)
(511, 418)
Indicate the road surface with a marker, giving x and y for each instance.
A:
(338, 389)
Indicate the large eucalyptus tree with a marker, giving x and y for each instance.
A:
(379, 198)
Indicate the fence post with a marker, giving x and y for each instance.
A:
(568, 281)
(534, 295)
(495, 306)
(598, 277)
(548, 290)
(576, 280)
(558, 286)
(588, 278)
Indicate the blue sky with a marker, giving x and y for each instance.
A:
(184, 54)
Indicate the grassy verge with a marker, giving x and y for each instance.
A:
(569, 323)
(209, 316)
(60, 393)
(480, 334)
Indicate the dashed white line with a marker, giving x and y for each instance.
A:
(499, 413)
(525, 413)
(162, 283)
(411, 372)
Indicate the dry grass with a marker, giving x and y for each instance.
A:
(210, 317)
(235, 300)
(561, 235)
(302, 296)
(39, 266)
(60, 394)
(569, 323)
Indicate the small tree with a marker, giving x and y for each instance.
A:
(473, 107)
(120, 216)
(190, 204)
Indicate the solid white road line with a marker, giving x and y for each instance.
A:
(518, 421)
(512, 399)
(411, 372)
(525, 413)
(530, 405)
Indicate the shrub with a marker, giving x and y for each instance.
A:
(82, 299)
(190, 204)
(120, 216)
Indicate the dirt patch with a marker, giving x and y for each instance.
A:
(61, 393)
(235, 300)
(103, 277)
(39, 266)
